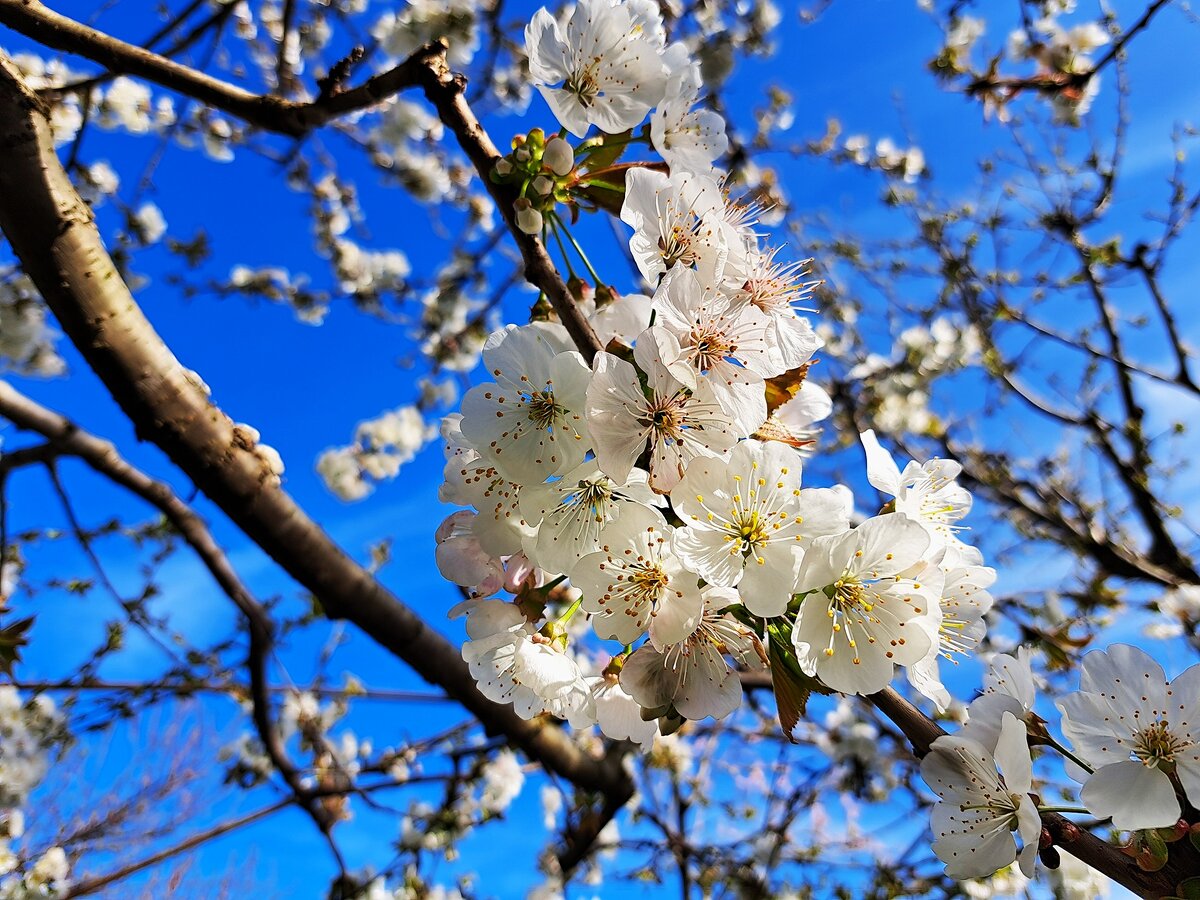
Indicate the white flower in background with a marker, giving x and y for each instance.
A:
(965, 31)
(29, 731)
(126, 104)
(723, 339)
(50, 872)
(571, 512)
(678, 414)
(603, 68)
(502, 782)
(150, 224)
(1135, 729)
(748, 522)
(339, 469)
(925, 491)
(619, 715)
(1179, 606)
(692, 675)
(981, 808)
(846, 738)
(637, 581)
(775, 288)
(1076, 880)
(964, 602)
(676, 221)
(688, 139)
(529, 421)
(420, 22)
(861, 616)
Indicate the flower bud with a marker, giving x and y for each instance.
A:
(529, 220)
(559, 156)
(521, 154)
(542, 186)
(503, 167)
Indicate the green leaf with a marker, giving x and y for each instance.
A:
(792, 687)
(12, 638)
(609, 151)
(1189, 888)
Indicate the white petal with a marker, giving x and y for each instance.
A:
(1132, 795)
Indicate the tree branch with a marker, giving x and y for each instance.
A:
(53, 234)
(268, 112)
(1102, 856)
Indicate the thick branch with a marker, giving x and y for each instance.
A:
(271, 113)
(52, 232)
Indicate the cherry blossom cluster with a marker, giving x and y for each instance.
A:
(657, 493)
(1135, 748)
(655, 497)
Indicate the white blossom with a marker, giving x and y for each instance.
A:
(601, 68)
(981, 808)
(1135, 729)
(677, 414)
(689, 139)
(748, 522)
(637, 581)
(692, 675)
(861, 616)
(529, 422)
(676, 221)
(571, 512)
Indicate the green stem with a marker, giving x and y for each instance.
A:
(562, 248)
(1064, 809)
(571, 610)
(1051, 742)
(574, 243)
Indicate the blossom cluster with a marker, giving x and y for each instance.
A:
(1135, 747)
(654, 492)
(657, 492)
(30, 732)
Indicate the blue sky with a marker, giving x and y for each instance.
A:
(305, 388)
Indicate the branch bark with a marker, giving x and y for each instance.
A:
(53, 234)
(268, 112)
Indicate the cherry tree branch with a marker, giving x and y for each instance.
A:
(446, 90)
(66, 438)
(51, 229)
(269, 112)
(921, 732)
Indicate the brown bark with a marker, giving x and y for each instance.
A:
(52, 232)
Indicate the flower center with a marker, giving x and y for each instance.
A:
(585, 84)
(1156, 747)
(679, 245)
(709, 348)
(648, 581)
(750, 528)
(543, 409)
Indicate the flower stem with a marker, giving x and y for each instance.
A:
(571, 610)
(562, 248)
(574, 243)
(1064, 809)
(1051, 742)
